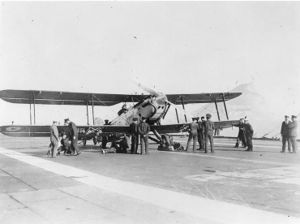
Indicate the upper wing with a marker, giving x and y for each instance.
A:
(102, 99)
(66, 98)
(201, 97)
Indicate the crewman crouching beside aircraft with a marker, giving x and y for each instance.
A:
(209, 133)
(193, 134)
(241, 135)
(73, 136)
(144, 129)
(134, 131)
(249, 134)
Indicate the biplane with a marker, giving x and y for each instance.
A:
(153, 106)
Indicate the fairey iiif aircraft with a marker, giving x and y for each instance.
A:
(153, 107)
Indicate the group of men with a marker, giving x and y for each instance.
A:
(289, 133)
(203, 132)
(69, 139)
(139, 131)
(245, 134)
(199, 131)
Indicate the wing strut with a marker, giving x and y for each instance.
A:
(217, 109)
(182, 102)
(225, 106)
(30, 114)
(177, 115)
(93, 110)
(87, 113)
(33, 100)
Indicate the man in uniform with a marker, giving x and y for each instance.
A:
(201, 128)
(73, 136)
(241, 135)
(293, 133)
(284, 131)
(209, 133)
(193, 134)
(249, 134)
(134, 131)
(144, 129)
(54, 139)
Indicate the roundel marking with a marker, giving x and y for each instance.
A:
(12, 129)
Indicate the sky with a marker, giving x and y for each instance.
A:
(176, 47)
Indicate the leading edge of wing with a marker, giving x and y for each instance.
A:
(66, 98)
(44, 130)
(202, 97)
(103, 99)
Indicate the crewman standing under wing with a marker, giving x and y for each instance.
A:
(54, 139)
(284, 131)
(249, 135)
(134, 131)
(293, 133)
(193, 134)
(201, 128)
(144, 129)
(209, 133)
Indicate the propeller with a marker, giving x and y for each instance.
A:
(160, 96)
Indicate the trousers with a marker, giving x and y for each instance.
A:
(285, 139)
(209, 138)
(144, 144)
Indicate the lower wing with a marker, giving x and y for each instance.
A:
(44, 130)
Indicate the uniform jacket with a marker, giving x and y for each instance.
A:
(54, 133)
(67, 132)
(73, 129)
(209, 127)
(144, 128)
(284, 128)
(134, 128)
(194, 128)
(241, 126)
(292, 129)
(248, 129)
(201, 126)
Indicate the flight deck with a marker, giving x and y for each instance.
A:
(228, 186)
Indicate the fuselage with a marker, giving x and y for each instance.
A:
(153, 108)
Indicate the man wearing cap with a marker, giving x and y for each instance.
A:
(241, 135)
(134, 131)
(293, 133)
(249, 135)
(144, 129)
(73, 136)
(201, 128)
(209, 133)
(54, 139)
(285, 133)
(193, 134)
